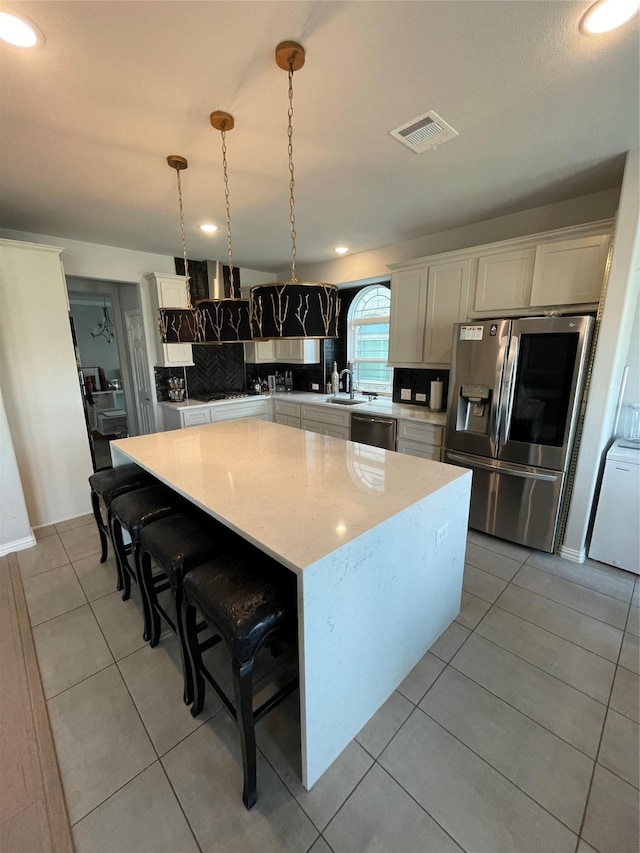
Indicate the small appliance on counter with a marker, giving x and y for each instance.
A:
(283, 381)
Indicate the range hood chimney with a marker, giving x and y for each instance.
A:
(215, 278)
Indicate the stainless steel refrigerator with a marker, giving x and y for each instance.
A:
(514, 397)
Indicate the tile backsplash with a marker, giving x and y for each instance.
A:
(223, 368)
(419, 382)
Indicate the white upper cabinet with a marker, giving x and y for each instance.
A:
(570, 272)
(168, 291)
(513, 278)
(425, 303)
(285, 351)
(504, 280)
(447, 299)
(407, 317)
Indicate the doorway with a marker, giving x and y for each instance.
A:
(105, 366)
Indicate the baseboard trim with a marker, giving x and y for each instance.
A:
(573, 555)
(17, 545)
(44, 788)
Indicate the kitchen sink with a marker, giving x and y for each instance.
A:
(345, 401)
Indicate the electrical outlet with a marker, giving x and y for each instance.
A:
(442, 533)
(315, 386)
(421, 398)
(405, 393)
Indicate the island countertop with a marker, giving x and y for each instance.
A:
(376, 540)
(297, 495)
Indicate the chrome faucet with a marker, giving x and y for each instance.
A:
(349, 371)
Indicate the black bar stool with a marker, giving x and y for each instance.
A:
(248, 601)
(132, 512)
(176, 544)
(108, 484)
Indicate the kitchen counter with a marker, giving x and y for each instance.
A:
(381, 406)
(375, 538)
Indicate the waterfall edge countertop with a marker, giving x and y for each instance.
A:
(380, 406)
(376, 538)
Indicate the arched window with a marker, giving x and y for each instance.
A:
(368, 339)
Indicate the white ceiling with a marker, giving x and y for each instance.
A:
(543, 112)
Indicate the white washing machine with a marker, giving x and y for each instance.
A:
(616, 532)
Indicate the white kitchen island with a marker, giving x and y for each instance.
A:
(376, 539)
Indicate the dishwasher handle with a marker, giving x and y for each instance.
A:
(372, 419)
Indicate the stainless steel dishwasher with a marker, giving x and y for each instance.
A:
(375, 430)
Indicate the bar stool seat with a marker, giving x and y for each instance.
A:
(176, 544)
(108, 484)
(132, 512)
(249, 602)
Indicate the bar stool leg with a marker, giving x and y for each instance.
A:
(154, 616)
(187, 669)
(242, 684)
(195, 657)
(95, 505)
(146, 608)
(124, 580)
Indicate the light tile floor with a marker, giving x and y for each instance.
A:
(518, 730)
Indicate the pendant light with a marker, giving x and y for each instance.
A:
(180, 325)
(224, 319)
(293, 309)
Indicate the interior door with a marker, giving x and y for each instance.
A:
(143, 392)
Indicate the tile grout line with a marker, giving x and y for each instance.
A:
(535, 666)
(559, 636)
(577, 583)
(595, 763)
(568, 606)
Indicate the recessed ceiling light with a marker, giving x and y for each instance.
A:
(605, 15)
(18, 30)
(342, 250)
(208, 228)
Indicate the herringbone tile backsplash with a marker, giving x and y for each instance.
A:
(216, 368)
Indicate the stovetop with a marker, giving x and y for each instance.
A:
(212, 396)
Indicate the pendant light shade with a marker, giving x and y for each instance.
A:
(300, 309)
(293, 309)
(224, 319)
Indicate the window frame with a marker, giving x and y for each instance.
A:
(353, 323)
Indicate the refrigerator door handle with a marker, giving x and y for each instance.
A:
(496, 405)
(509, 388)
(525, 475)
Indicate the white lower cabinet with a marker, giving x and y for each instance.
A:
(325, 421)
(424, 440)
(287, 414)
(200, 415)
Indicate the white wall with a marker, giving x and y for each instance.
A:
(15, 530)
(375, 264)
(40, 385)
(102, 262)
(613, 346)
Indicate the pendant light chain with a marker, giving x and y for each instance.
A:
(187, 279)
(292, 183)
(227, 208)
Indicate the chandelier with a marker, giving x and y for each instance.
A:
(104, 328)
(293, 309)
